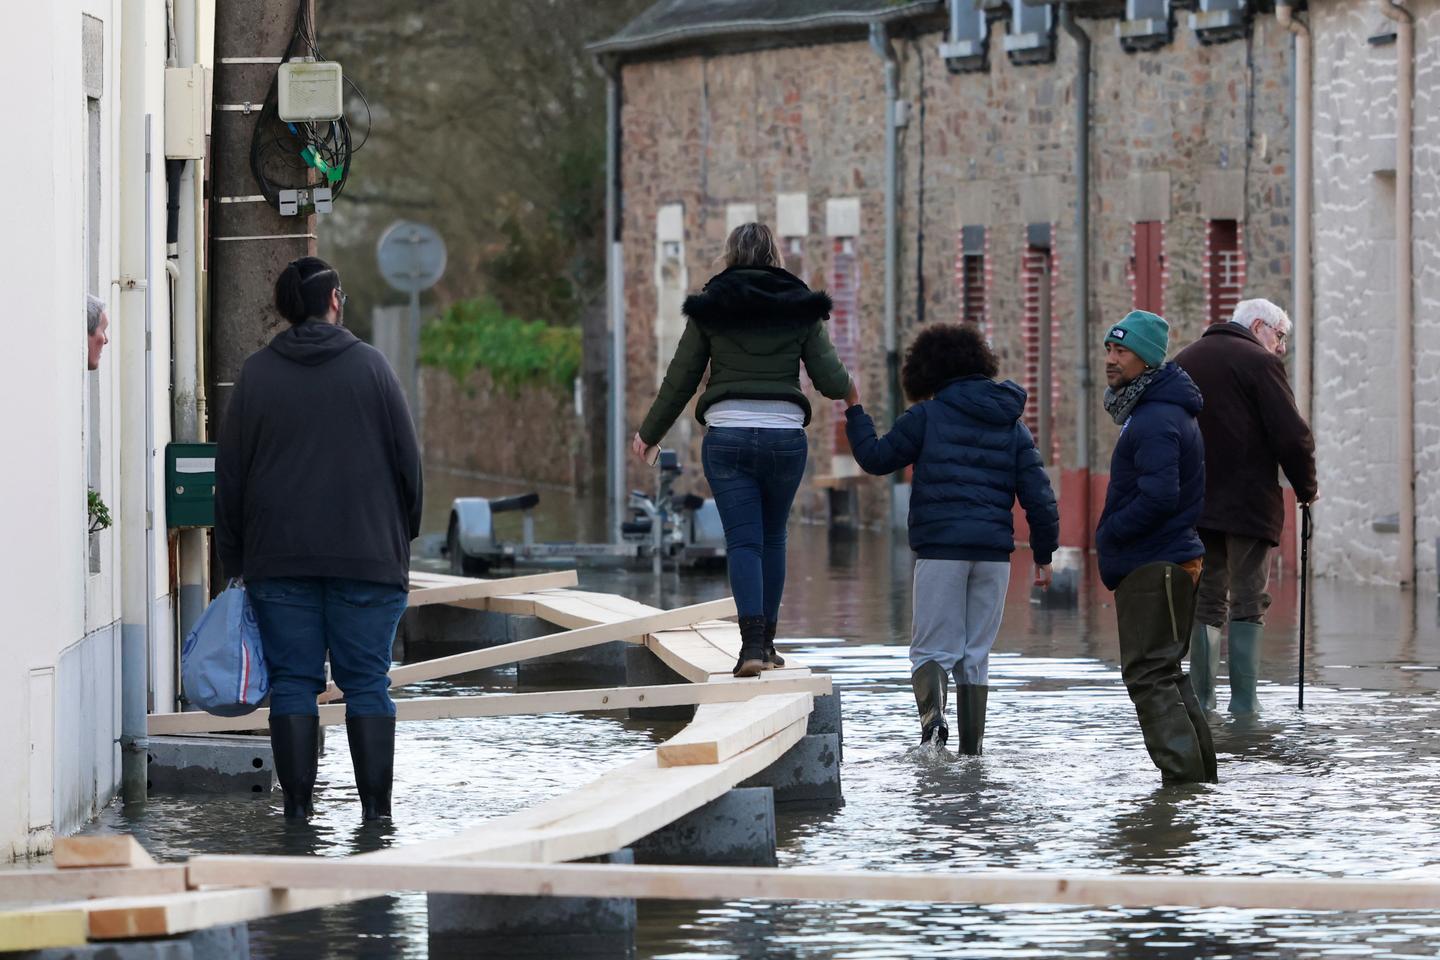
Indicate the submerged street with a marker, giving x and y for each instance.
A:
(1347, 788)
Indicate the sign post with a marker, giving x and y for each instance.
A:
(411, 258)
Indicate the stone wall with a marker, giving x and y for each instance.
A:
(993, 149)
(1356, 362)
(529, 434)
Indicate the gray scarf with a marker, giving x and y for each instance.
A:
(1121, 403)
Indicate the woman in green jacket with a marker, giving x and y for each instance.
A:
(753, 325)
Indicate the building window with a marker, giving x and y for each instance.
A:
(1032, 34)
(1038, 333)
(844, 321)
(1147, 267)
(1224, 271)
(972, 279)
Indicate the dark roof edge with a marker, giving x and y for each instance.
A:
(822, 21)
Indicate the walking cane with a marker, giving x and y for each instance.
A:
(1305, 531)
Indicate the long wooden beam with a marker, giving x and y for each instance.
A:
(770, 883)
(553, 643)
(434, 588)
(722, 730)
(522, 704)
(72, 884)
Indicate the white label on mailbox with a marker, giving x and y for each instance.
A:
(194, 464)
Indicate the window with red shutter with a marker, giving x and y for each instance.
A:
(1037, 335)
(1147, 267)
(970, 278)
(1224, 269)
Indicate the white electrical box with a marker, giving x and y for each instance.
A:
(310, 91)
(185, 112)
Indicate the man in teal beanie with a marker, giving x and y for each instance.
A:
(1149, 550)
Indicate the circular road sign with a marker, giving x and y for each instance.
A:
(411, 256)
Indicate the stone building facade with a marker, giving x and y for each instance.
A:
(1358, 421)
(1189, 197)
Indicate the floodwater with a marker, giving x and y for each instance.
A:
(1350, 787)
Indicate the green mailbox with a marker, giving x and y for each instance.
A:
(190, 484)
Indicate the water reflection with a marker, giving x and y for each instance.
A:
(1349, 787)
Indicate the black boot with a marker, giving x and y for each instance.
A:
(970, 703)
(772, 659)
(752, 647)
(930, 682)
(372, 752)
(295, 742)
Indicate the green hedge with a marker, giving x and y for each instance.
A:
(477, 335)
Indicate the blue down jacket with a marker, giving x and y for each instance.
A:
(1157, 481)
(972, 458)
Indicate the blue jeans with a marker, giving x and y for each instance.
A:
(300, 618)
(754, 474)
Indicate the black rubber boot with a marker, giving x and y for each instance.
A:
(372, 753)
(752, 647)
(295, 742)
(970, 703)
(930, 682)
(772, 659)
(1154, 609)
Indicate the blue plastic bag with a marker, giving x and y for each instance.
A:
(222, 664)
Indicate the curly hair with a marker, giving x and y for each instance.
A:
(943, 352)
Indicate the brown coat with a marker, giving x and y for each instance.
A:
(1252, 430)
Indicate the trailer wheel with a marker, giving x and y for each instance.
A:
(460, 564)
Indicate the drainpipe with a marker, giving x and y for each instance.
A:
(1082, 265)
(880, 43)
(615, 486)
(1302, 293)
(1405, 275)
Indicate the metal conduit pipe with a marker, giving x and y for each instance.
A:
(880, 42)
(1084, 380)
(1303, 286)
(615, 486)
(1405, 276)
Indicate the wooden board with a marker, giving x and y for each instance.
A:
(431, 588)
(507, 653)
(724, 690)
(618, 808)
(73, 884)
(722, 730)
(770, 883)
(108, 850)
(31, 930)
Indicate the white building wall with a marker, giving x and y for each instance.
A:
(59, 692)
(1356, 363)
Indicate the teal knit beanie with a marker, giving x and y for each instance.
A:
(1143, 334)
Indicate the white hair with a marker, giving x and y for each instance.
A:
(94, 307)
(1248, 311)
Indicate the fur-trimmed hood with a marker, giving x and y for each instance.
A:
(749, 297)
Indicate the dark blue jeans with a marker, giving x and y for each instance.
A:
(300, 618)
(754, 474)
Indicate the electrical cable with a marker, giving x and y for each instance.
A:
(283, 154)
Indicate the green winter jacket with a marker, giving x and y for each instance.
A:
(753, 327)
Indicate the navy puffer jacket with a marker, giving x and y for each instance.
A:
(1157, 481)
(972, 458)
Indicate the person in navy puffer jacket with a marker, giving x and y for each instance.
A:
(1150, 552)
(973, 457)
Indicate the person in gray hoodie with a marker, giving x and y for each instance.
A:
(318, 492)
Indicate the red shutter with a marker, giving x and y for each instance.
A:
(1224, 269)
(1149, 267)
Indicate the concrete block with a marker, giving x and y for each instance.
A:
(598, 666)
(464, 926)
(807, 775)
(230, 942)
(737, 829)
(825, 716)
(220, 763)
(439, 630)
(643, 668)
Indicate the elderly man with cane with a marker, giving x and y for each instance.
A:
(1149, 551)
(1252, 431)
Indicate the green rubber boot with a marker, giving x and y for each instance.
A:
(929, 681)
(1244, 666)
(1204, 663)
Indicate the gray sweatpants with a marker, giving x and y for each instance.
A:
(958, 606)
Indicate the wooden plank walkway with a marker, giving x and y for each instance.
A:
(624, 804)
